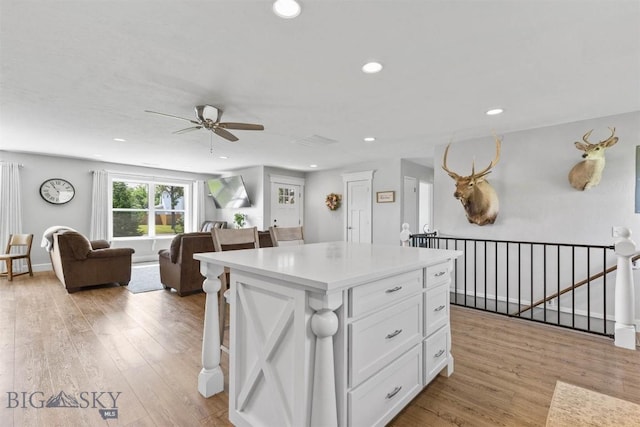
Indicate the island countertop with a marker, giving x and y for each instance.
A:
(330, 266)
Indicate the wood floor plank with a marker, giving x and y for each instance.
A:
(148, 347)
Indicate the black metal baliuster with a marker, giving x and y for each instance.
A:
(561, 284)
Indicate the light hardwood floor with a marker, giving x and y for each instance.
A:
(147, 347)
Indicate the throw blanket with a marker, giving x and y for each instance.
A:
(47, 237)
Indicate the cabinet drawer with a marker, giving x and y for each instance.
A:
(437, 274)
(435, 354)
(381, 293)
(436, 308)
(376, 340)
(378, 400)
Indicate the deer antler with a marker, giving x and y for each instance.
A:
(494, 162)
(586, 137)
(444, 163)
(613, 132)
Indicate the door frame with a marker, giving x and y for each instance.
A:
(413, 208)
(357, 176)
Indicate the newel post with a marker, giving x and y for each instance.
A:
(405, 235)
(625, 330)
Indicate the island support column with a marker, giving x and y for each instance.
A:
(324, 324)
(211, 378)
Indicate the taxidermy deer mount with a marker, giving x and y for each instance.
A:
(588, 172)
(477, 196)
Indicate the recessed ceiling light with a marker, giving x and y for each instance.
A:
(313, 166)
(119, 139)
(369, 139)
(372, 67)
(223, 157)
(286, 9)
(494, 112)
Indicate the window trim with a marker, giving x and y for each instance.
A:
(152, 180)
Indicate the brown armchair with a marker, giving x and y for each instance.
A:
(79, 262)
(178, 269)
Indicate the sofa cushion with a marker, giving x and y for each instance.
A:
(174, 249)
(100, 244)
(80, 246)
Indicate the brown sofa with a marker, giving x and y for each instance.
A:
(79, 262)
(178, 269)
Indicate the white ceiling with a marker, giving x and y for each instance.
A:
(76, 74)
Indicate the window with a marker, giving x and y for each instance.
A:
(286, 196)
(148, 208)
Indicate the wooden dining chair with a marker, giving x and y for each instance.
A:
(231, 239)
(22, 241)
(286, 236)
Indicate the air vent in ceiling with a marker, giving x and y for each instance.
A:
(314, 141)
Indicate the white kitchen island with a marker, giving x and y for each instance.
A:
(327, 334)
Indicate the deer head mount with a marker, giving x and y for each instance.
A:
(588, 172)
(478, 198)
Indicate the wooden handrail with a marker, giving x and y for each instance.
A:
(572, 287)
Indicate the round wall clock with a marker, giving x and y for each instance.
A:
(57, 191)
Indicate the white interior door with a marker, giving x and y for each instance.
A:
(286, 202)
(410, 203)
(359, 211)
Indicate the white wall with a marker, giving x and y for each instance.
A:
(38, 215)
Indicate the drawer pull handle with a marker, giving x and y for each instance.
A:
(438, 354)
(393, 334)
(439, 273)
(439, 308)
(392, 290)
(394, 392)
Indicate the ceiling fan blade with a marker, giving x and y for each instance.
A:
(240, 126)
(171, 115)
(226, 135)
(185, 130)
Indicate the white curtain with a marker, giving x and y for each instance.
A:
(10, 207)
(199, 198)
(100, 206)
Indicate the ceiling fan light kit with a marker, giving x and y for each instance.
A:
(286, 9)
(208, 117)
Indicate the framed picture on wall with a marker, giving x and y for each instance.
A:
(385, 196)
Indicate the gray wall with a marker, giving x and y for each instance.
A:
(253, 182)
(270, 171)
(257, 181)
(323, 225)
(422, 174)
(536, 201)
(39, 215)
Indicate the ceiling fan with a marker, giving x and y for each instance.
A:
(208, 117)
